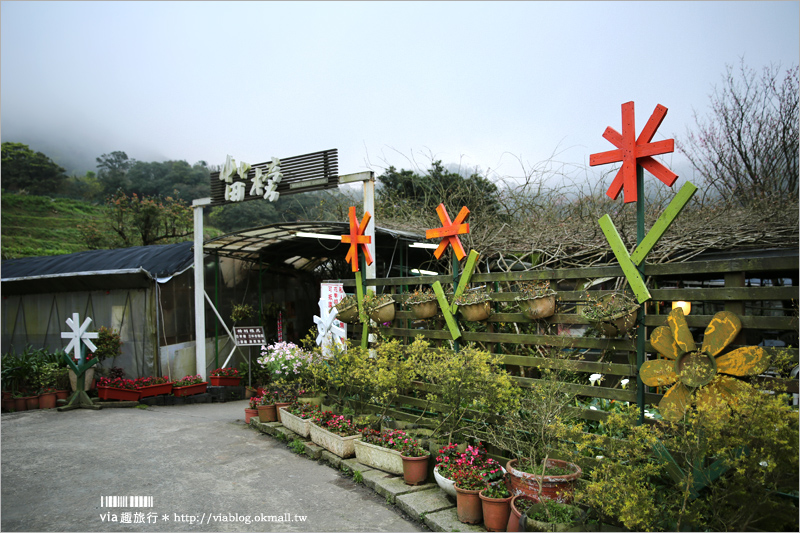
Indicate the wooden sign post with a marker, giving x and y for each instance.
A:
(80, 339)
(355, 239)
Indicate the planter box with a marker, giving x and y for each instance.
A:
(447, 485)
(155, 390)
(189, 390)
(301, 426)
(379, 457)
(222, 381)
(342, 446)
(111, 393)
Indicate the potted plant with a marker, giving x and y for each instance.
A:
(451, 457)
(475, 304)
(423, 303)
(612, 314)
(468, 484)
(252, 410)
(117, 389)
(519, 505)
(267, 412)
(496, 506)
(47, 397)
(284, 394)
(347, 309)
(536, 299)
(415, 462)
(549, 515)
(335, 433)
(379, 307)
(381, 449)
(531, 432)
(153, 386)
(297, 417)
(189, 386)
(241, 312)
(225, 377)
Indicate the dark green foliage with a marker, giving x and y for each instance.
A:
(33, 172)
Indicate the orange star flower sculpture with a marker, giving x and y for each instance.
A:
(700, 374)
(357, 238)
(449, 232)
(632, 151)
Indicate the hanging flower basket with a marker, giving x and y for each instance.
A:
(383, 313)
(348, 314)
(613, 314)
(475, 312)
(425, 310)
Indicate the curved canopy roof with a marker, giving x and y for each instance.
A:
(302, 245)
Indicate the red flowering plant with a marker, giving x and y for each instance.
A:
(303, 410)
(446, 459)
(188, 380)
(268, 398)
(255, 401)
(227, 372)
(411, 448)
(468, 479)
(390, 438)
(474, 458)
(150, 380)
(491, 471)
(117, 383)
(337, 424)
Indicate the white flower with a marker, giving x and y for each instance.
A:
(595, 378)
(599, 457)
(764, 463)
(648, 414)
(624, 383)
(593, 408)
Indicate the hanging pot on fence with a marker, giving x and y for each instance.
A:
(476, 312)
(537, 308)
(425, 310)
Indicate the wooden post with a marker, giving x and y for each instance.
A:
(641, 330)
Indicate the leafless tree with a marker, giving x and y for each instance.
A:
(746, 147)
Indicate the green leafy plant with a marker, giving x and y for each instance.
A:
(358, 477)
(241, 312)
(468, 479)
(108, 343)
(297, 446)
(497, 490)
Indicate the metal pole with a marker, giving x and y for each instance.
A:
(369, 207)
(216, 304)
(199, 300)
(640, 329)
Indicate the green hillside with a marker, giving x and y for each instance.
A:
(38, 225)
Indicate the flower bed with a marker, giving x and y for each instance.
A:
(297, 418)
(225, 377)
(381, 450)
(153, 386)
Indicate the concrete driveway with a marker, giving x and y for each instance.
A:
(196, 463)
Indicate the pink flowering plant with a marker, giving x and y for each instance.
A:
(117, 383)
(285, 361)
(303, 410)
(185, 381)
(227, 372)
(334, 423)
(255, 401)
(411, 448)
(449, 461)
(390, 438)
(468, 479)
(150, 381)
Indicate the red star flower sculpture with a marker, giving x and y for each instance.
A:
(632, 151)
(449, 231)
(357, 238)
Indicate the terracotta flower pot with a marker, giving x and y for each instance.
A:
(47, 400)
(249, 413)
(267, 413)
(278, 409)
(514, 514)
(415, 469)
(495, 512)
(468, 506)
(558, 488)
(62, 394)
(32, 402)
(20, 404)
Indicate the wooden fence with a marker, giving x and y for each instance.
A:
(763, 291)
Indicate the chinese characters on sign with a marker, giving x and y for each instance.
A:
(265, 185)
(249, 336)
(332, 293)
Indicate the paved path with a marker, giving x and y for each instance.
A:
(197, 462)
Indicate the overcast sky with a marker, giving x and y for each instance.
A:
(478, 83)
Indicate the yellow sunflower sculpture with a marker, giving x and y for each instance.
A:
(699, 374)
